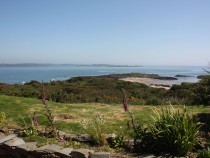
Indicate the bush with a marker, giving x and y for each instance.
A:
(96, 128)
(204, 153)
(202, 91)
(153, 101)
(174, 132)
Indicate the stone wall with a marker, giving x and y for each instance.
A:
(14, 147)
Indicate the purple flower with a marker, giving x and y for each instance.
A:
(43, 100)
(124, 101)
(125, 105)
(43, 96)
(35, 121)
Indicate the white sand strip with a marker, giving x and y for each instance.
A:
(156, 83)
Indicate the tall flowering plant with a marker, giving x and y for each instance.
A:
(43, 95)
(139, 130)
(125, 104)
(125, 107)
(35, 120)
(52, 131)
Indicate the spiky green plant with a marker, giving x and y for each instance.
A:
(173, 131)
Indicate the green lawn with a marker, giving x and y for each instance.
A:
(68, 117)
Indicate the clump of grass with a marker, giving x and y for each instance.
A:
(29, 129)
(173, 131)
(96, 128)
(2, 119)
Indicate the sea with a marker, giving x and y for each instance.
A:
(22, 74)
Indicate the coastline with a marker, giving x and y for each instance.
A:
(151, 82)
(16, 75)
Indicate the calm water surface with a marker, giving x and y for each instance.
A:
(13, 75)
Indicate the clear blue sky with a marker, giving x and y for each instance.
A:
(134, 32)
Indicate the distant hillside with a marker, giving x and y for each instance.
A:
(23, 65)
(110, 65)
(49, 64)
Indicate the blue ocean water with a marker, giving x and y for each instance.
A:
(13, 75)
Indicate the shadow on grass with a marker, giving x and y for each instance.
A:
(205, 119)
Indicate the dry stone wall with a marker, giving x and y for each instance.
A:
(14, 147)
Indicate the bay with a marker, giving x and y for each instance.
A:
(12, 75)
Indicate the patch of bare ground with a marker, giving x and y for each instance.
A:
(65, 117)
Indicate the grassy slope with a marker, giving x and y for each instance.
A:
(69, 116)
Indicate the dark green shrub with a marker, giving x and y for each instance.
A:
(205, 153)
(181, 94)
(153, 101)
(202, 92)
(174, 132)
(204, 118)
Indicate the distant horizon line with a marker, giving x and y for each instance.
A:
(98, 65)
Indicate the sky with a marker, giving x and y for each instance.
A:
(127, 32)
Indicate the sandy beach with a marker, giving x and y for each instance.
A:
(156, 83)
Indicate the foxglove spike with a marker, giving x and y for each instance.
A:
(35, 121)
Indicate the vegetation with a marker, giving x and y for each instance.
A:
(107, 89)
(2, 119)
(96, 129)
(67, 117)
(202, 92)
(101, 89)
(29, 129)
(191, 93)
(173, 132)
(205, 153)
(51, 130)
(169, 130)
